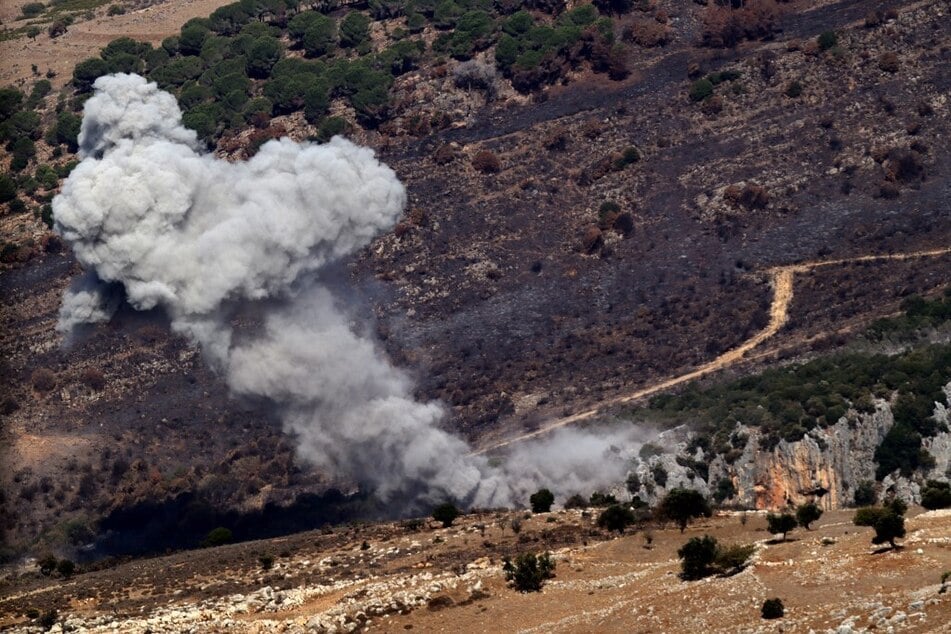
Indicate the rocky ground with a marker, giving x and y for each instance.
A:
(393, 577)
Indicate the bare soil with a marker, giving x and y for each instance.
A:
(825, 577)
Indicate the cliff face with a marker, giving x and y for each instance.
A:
(825, 466)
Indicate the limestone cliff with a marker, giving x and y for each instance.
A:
(825, 466)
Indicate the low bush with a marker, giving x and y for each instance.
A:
(446, 514)
(217, 537)
(704, 556)
(772, 609)
(43, 380)
(701, 89)
(936, 495)
(486, 162)
(541, 501)
(616, 518)
(528, 572)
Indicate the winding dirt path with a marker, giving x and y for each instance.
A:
(782, 281)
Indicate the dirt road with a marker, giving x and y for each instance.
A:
(782, 279)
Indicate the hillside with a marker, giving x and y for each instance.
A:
(602, 219)
(393, 578)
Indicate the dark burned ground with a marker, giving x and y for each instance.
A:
(487, 294)
(510, 313)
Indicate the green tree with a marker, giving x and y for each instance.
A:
(88, 71)
(697, 557)
(65, 568)
(781, 523)
(446, 513)
(67, 130)
(808, 513)
(529, 571)
(193, 36)
(888, 522)
(331, 127)
(354, 29)
(541, 501)
(320, 38)
(682, 505)
(936, 495)
(264, 53)
(864, 493)
(8, 188)
(827, 39)
(616, 518)
(218, 537)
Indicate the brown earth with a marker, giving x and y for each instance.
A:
(85, 38)
(826, 577)
(487, 292)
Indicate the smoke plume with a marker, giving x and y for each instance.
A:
(200, 238)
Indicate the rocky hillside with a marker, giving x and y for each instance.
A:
(574, 233)
(395, 578)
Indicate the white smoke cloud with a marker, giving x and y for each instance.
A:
(199, 237)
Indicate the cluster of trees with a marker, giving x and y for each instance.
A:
(25, 120)
(783, 523)
(231, 70)
(704, 556)
(786, 403)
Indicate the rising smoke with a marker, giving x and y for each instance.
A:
(200, 238)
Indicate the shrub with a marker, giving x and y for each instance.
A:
(793, 89)
(529, 571)
(49, 618)
(487, 162)
(629, 156)
(331, 127)
(43, 380)
(56, 29)
(888, 62)
(732, 559)
(682, 505)
(354, 29)
(616, 518)
(827, 40)
(88, 71)
(936, 495)
(47, 565)
(772, 609)
(93, 378)
(697, 556)
(887, 520)
(115, 9)
(726, 26)
(781, 523)
(8, 188)
(266, 561)
(808, 513)
(601, 499)
(446, 513)
(264, 53)
(724, 491)
(864, 493)
(701, 89)
(541, 501)
(217, 537)
(32, 9)
(576, 501)
(474, 74)
(65, 568)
